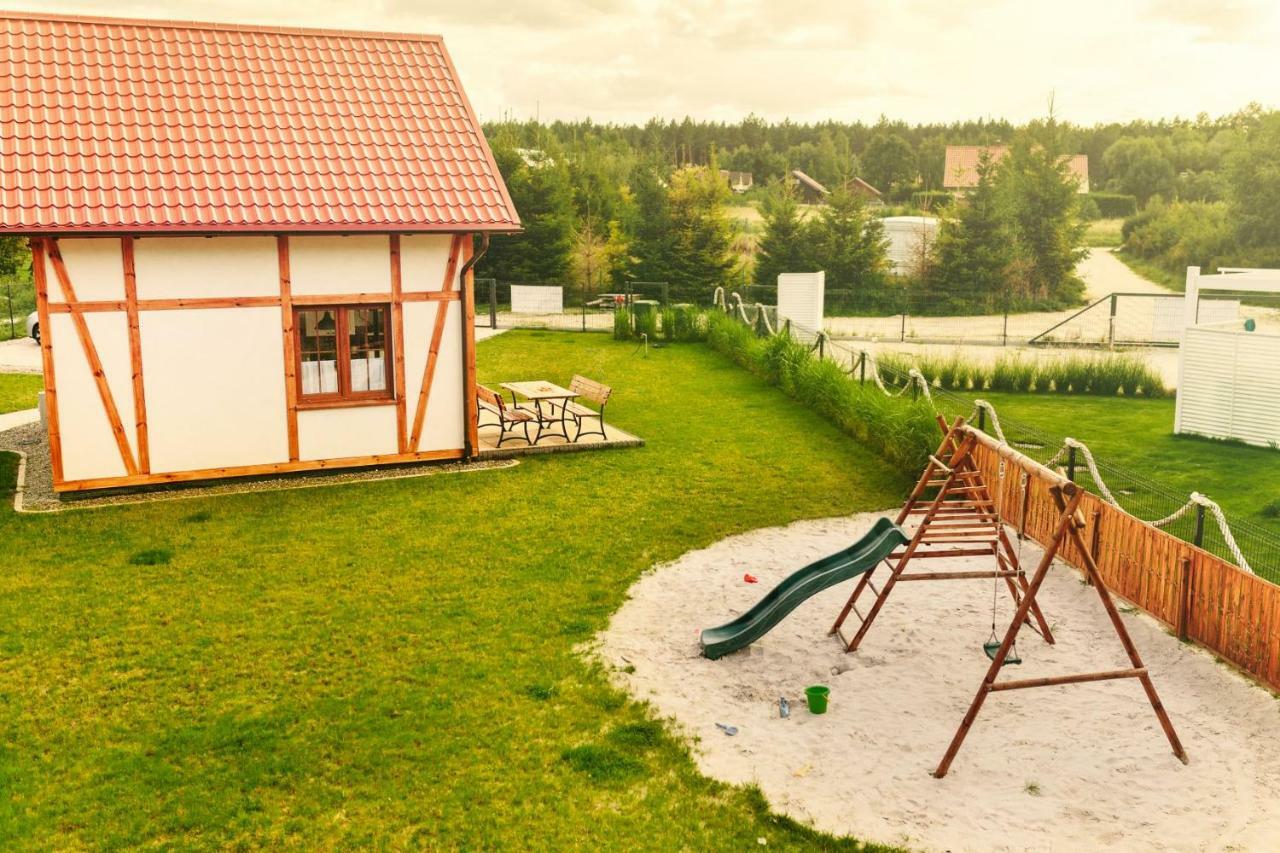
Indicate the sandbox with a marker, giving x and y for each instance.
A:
(1074, 767)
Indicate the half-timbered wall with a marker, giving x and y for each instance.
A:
(171, 358)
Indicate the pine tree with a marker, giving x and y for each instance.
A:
(973, 250)
(1038, 193)
(648, 222)
(703, 235)
(849, 244)
(543, 196)
(783, 246)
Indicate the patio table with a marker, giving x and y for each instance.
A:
(542, 393)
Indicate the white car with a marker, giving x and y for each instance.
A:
(33, 326)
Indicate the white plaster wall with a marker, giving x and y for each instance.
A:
(329, 264)
(95, 267)
(443, 429)
(339, 433)
(89, 448)
(214, 378)
(423, 258)
(200, 267)
(214, 383)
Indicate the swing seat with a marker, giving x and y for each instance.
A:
(993, 646)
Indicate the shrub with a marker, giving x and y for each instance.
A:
(683, 323)
(1182, 234)
(931, 199)
(645, 321)
(902, 431)
(1113, 205)
(621, 324)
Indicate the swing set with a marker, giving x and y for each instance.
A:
(964, 518)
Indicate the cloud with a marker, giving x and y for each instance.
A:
(916, 60)
(1220, 21)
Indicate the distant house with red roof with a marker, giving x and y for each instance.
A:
(251, 245)
(960, 170)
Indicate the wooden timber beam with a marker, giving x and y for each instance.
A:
(433, 352)
(91, 355)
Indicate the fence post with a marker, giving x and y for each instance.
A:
(493, 303)
(903, 336)
(8, 295)
(1111, 324)
(1095, 542)
(1071, 464)
(1184, 599)
(1198, 541)
(982, 419)
(862, 367)
(822, 349)
(1005, 332)
(786, 327)
(584, 305)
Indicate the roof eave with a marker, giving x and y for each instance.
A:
(262, 228)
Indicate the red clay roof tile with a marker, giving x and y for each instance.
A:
(117, 125)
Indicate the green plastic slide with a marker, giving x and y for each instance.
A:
(860, 557)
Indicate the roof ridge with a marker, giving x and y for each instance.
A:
(148, 23)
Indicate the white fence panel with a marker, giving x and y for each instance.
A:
(536, 299)
(1229, 386)
(800, 300)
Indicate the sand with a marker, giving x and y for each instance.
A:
(1077, 767)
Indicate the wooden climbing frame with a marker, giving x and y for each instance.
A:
(1068, 526)
(964, 516)
(961, 520)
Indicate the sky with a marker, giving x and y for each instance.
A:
(810, 60)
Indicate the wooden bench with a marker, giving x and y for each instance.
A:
(594, 392)
(511, 422)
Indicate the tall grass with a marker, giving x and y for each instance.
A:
(683, 323)
(901, 430)
(1107, 375)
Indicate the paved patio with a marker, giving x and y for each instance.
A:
(517, 446)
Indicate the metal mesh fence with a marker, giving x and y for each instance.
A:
(564, 307)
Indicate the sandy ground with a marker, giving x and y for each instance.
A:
(1080, 767)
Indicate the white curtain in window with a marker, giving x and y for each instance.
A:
(320, 377)
(369, 373)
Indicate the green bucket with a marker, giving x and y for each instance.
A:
(817, 696)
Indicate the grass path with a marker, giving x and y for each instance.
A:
(394, 663)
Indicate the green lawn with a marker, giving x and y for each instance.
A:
(393, 664)
(18, 391)
(1138, 434)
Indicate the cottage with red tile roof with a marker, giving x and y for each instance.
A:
(251, 245)
(960, 166)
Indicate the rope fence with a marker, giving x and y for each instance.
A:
(1254, 549)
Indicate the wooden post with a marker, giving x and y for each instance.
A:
(290, 354)
(1184, 598)
(135, 356)
(40, 273)
(398, 343)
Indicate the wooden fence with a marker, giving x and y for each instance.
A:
(1201, 597)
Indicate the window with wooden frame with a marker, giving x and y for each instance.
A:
(344, 354)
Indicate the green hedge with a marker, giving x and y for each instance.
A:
(901, 430)
(931, 199)
(1114, 205)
